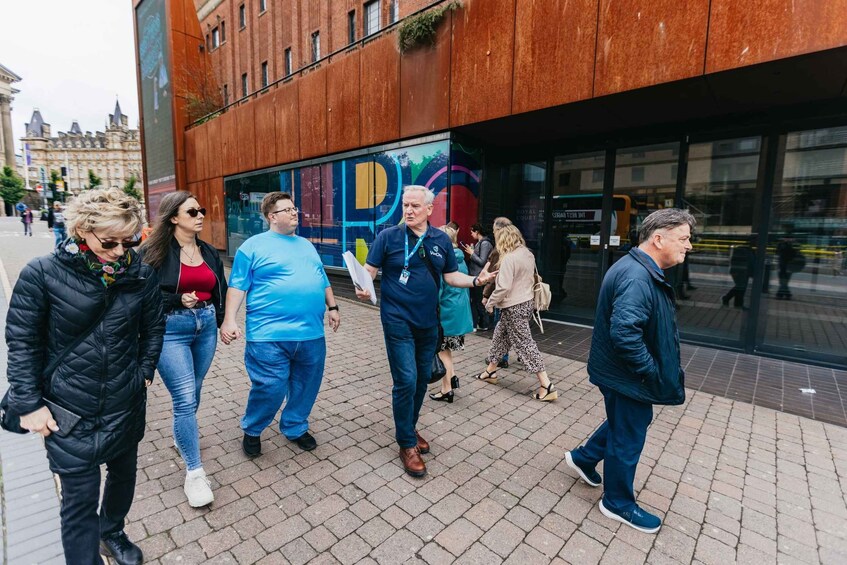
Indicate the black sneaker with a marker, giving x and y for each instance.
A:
(306, 442)
(252, 445)
(118, 547)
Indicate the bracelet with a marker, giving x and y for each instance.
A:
(333, 307)
(475, 280)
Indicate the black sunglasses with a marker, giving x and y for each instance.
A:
(194, 211)
(113, 244)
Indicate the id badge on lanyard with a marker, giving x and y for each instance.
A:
(405, 273)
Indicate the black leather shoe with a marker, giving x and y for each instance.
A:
(252, 445)
(118, 547)
(306, 442)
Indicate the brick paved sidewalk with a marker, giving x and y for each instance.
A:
(735, 482)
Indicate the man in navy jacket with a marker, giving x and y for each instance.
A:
(634, 361)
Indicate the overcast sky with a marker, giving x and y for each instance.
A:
(74, 57)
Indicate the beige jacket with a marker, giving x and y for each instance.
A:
(515, 279)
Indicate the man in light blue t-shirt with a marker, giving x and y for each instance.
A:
(287, 294)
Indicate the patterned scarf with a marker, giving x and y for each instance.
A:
(108, 271)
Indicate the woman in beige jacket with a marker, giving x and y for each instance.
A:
(514, 296)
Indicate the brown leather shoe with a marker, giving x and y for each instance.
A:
(423, 445)
(412, 461)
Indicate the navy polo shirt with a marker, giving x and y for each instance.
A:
(414, 302)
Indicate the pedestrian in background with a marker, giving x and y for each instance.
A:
(56, 222)
(413, 257)
(287, 292)
(494, 258)
(193, 287)
(26, 219)
(455, 317)
(92, 310)
(513, 294)
(634, 361)
(478, 256)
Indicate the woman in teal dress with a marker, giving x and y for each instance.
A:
(456, 321)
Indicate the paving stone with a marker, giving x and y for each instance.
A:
(503, 537)
(582, 549)
(458, 536)
(398, 548)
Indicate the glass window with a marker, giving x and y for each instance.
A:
(216, 37)
(223, 31)
(316, 46)
(288, 61)
(805, 307)
(351, 26)
(242, 16)
(393, 11)
(226, 95)
(244, 86)
(714, 282)
(371, 17)
(264, 74)
(263, 5)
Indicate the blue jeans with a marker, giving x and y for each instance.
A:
(618, 443)
(187, 353)
(281, 370)
(82, 526)
(60, 234)
(410, 352)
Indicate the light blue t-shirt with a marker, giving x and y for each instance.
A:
(285, 284)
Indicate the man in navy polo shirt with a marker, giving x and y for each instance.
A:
(409, 319)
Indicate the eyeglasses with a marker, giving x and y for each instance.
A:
(194, 211)
(113, 244)
(286, 211)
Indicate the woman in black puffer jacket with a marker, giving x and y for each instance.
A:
(103, 379)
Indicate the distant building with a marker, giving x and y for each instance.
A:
(7, 95)
(113, 155)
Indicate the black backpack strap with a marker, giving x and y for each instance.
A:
(425, 256)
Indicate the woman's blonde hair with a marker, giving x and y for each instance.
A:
(451, 233)
(104, 209)
(507, 239)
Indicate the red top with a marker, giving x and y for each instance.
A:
(199, 279)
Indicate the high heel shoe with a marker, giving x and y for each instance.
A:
(454, 382)
(443, 397)
(551, 394)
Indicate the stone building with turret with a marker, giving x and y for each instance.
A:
(114, 155)
(7, 95)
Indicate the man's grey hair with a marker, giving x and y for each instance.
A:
(666, 219)
(501, 222)
(429, 195)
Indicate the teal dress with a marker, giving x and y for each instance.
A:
(455, 308)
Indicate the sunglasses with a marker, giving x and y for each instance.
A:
(113, 244)
(194, 211)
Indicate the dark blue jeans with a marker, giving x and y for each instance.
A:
(82, 528)
(410, 353)
(618, 443)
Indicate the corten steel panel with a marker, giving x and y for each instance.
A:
(425, 85)
(180, 66)
(287, 118)
(312, 101)
(216, 211)
(641, 43)
(380, 76)
(191, 156)
(213, 148)
(755, 31)
(481, 61)
(554, 53)
(246, 128)
(342, 100)
(180, 122)
(177, 15)
(202, 153)
(229, 143)
(265, 130)
(181, 177)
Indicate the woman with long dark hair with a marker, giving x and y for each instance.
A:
(193, 287)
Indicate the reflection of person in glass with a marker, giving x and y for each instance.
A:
(740, 269)
(789, 261)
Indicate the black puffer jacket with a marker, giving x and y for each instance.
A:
(56, 299)
(169, 278)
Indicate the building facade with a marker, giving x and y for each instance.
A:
(575, 119)
(7, 137)
(114, 155)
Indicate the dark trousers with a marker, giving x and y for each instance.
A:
(478, 312)
(410, 353)
(737, 292)
(618, 443)
(82, 528)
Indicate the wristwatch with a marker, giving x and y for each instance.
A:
(333, 307)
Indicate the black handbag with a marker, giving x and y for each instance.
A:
(10, 420)
(438, 368)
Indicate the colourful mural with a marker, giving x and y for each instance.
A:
(345, 203)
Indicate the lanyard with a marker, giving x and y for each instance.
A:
(415, 250)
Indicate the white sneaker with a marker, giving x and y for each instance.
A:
(198, 489)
